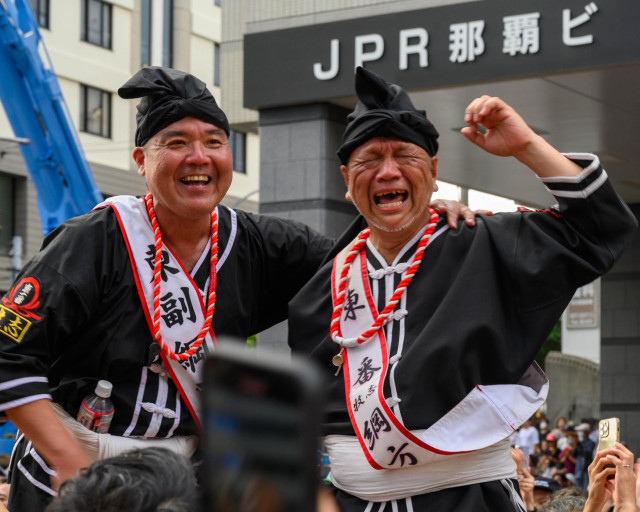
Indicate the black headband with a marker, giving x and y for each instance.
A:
(169, 95)
(385, 110)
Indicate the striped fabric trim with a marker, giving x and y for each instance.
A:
(19, 382)
(581, 186)
(31, 479)
(42, 463)
(44, 467)
(232, 237)
(136, 411)
(23, 401)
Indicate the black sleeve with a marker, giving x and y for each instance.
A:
(53, 299)
(288, 253)
(569, 246)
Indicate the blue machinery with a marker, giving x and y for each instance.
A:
(36, 109)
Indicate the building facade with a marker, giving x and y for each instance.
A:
(95, 46)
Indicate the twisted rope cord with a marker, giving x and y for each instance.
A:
(157, 279)
(395, 298)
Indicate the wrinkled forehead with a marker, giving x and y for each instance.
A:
(387, 145)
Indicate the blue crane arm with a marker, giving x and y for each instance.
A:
(36, 109)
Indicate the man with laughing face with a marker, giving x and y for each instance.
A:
(428, 335)
(136, 291)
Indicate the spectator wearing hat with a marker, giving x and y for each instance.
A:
(543, 488)
(563, 440)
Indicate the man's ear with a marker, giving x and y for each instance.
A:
(138, 158)
(345, 174)
(434, 168)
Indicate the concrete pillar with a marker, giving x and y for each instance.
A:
(300, 177)
(620, 344)
(299, 171)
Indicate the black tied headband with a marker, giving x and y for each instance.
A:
(385, 110)
(169, 95)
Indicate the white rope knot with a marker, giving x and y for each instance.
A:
(393, 401)
(395, 359)
(400, 268)
(396, 315)
(155, 409)
(159, 369)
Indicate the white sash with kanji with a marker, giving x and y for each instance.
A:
(485, 416)
(182, 305)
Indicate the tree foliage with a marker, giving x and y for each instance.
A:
(554, 342)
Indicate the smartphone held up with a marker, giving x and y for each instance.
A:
(608, 433)
(261, 432)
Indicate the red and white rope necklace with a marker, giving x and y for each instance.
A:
(157, 278)
(395, 298)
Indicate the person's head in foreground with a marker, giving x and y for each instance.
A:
(543, 488)
(147, 480)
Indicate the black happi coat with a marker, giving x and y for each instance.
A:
(479, 308)
(86, 321)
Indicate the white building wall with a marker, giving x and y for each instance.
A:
(197, 26)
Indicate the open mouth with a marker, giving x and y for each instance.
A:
(391, 199)
(196, 180)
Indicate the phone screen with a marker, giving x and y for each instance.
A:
(261, 433)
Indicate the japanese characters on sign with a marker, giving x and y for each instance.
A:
(521, 35)
(444, 45)
(583, 311)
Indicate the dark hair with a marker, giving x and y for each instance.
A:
(146, 480)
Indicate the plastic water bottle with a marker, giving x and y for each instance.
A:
(96, 410)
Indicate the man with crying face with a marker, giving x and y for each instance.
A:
(427, 335)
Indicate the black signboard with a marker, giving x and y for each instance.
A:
(455, 44)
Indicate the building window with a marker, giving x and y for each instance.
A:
(96, 23)
(156, 33)
(95, 111)
(238, 144)
(41, 11)
(216, 64)
(6, 213)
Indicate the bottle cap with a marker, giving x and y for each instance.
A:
(104, 388)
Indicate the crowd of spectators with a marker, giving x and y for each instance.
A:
(560, 470)
(562, 453)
